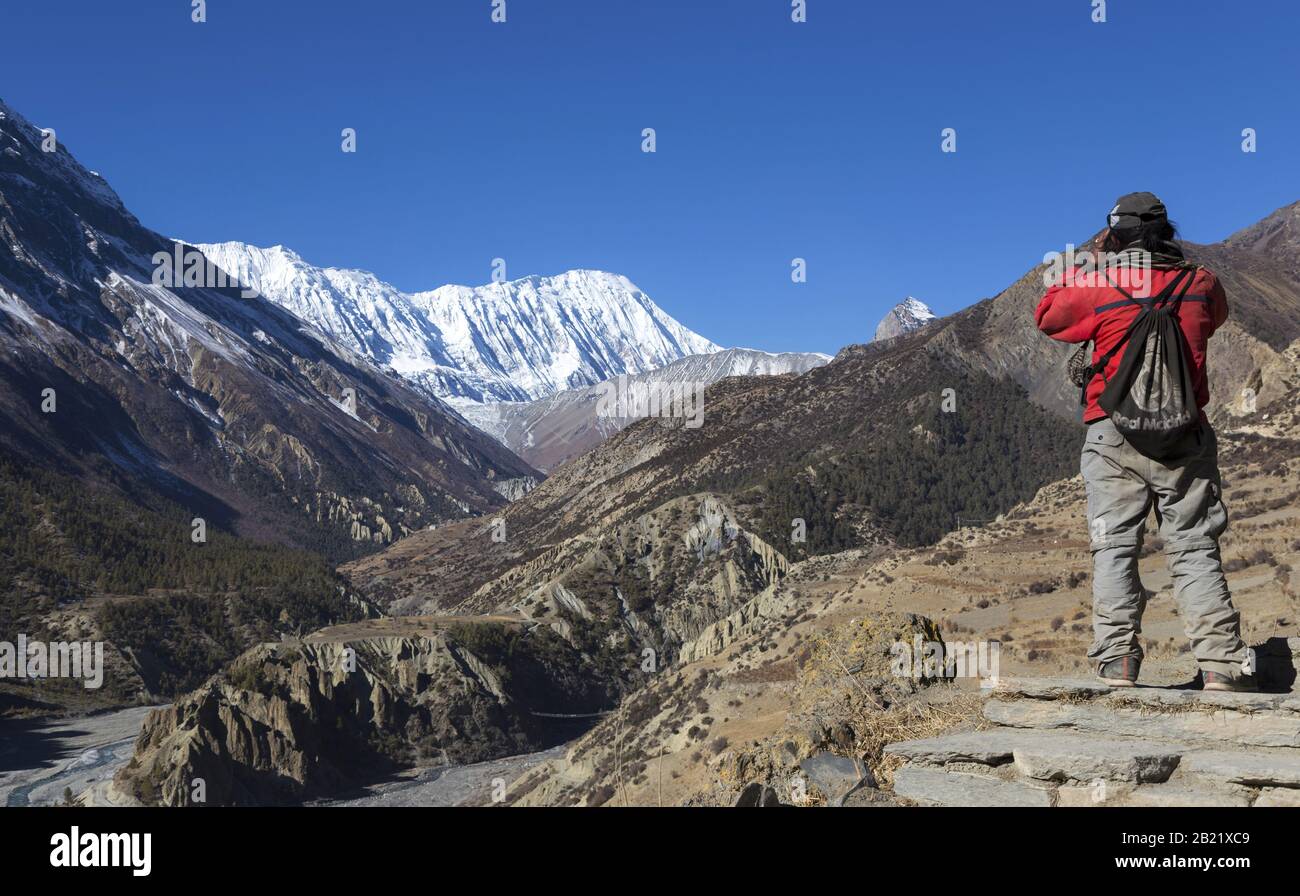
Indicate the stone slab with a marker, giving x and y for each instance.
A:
(1181, 796)
(1208, 725)
(1277, 797)
(975, 746)
(1087, 689)
(1256, 769)
(936, 787)
(1049, 755)
(1083, 758)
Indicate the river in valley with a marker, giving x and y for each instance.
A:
(39, 758)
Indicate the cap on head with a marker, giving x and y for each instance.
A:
(1134, 209)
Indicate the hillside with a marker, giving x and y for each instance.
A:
(855, 423)
(101, 560)
(769, 695)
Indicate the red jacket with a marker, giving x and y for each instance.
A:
(1078, 311)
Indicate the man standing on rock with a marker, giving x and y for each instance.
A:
(1123, 483)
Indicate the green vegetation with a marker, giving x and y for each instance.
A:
(183, 609)
(72, 539)
(912, 473)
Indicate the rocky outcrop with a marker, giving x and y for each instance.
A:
(769, 604)
(300, 719)
(657, 583)
(514, 489)
(907, 316)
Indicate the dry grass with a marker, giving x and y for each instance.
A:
(784, 670)
(912, 720)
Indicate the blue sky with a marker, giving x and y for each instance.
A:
(776, 140)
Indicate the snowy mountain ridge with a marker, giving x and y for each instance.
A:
(506, 341)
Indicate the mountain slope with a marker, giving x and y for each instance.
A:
(198, 391)
(869, 427)
(549, 431)
(512, 341)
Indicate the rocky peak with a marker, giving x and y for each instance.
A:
(907, 316)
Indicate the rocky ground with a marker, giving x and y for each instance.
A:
(737, 709)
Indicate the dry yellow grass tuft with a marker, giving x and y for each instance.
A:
(914, 719)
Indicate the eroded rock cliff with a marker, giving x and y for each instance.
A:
(300, 719)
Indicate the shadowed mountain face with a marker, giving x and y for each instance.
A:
(224, 403)
(178, 461)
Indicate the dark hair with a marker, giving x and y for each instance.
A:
(1153, 236)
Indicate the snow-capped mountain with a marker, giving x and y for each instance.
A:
(511, 341)
(908, 315)
(189, 389)
(551, 430)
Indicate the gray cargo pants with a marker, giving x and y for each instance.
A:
(1123, 485)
